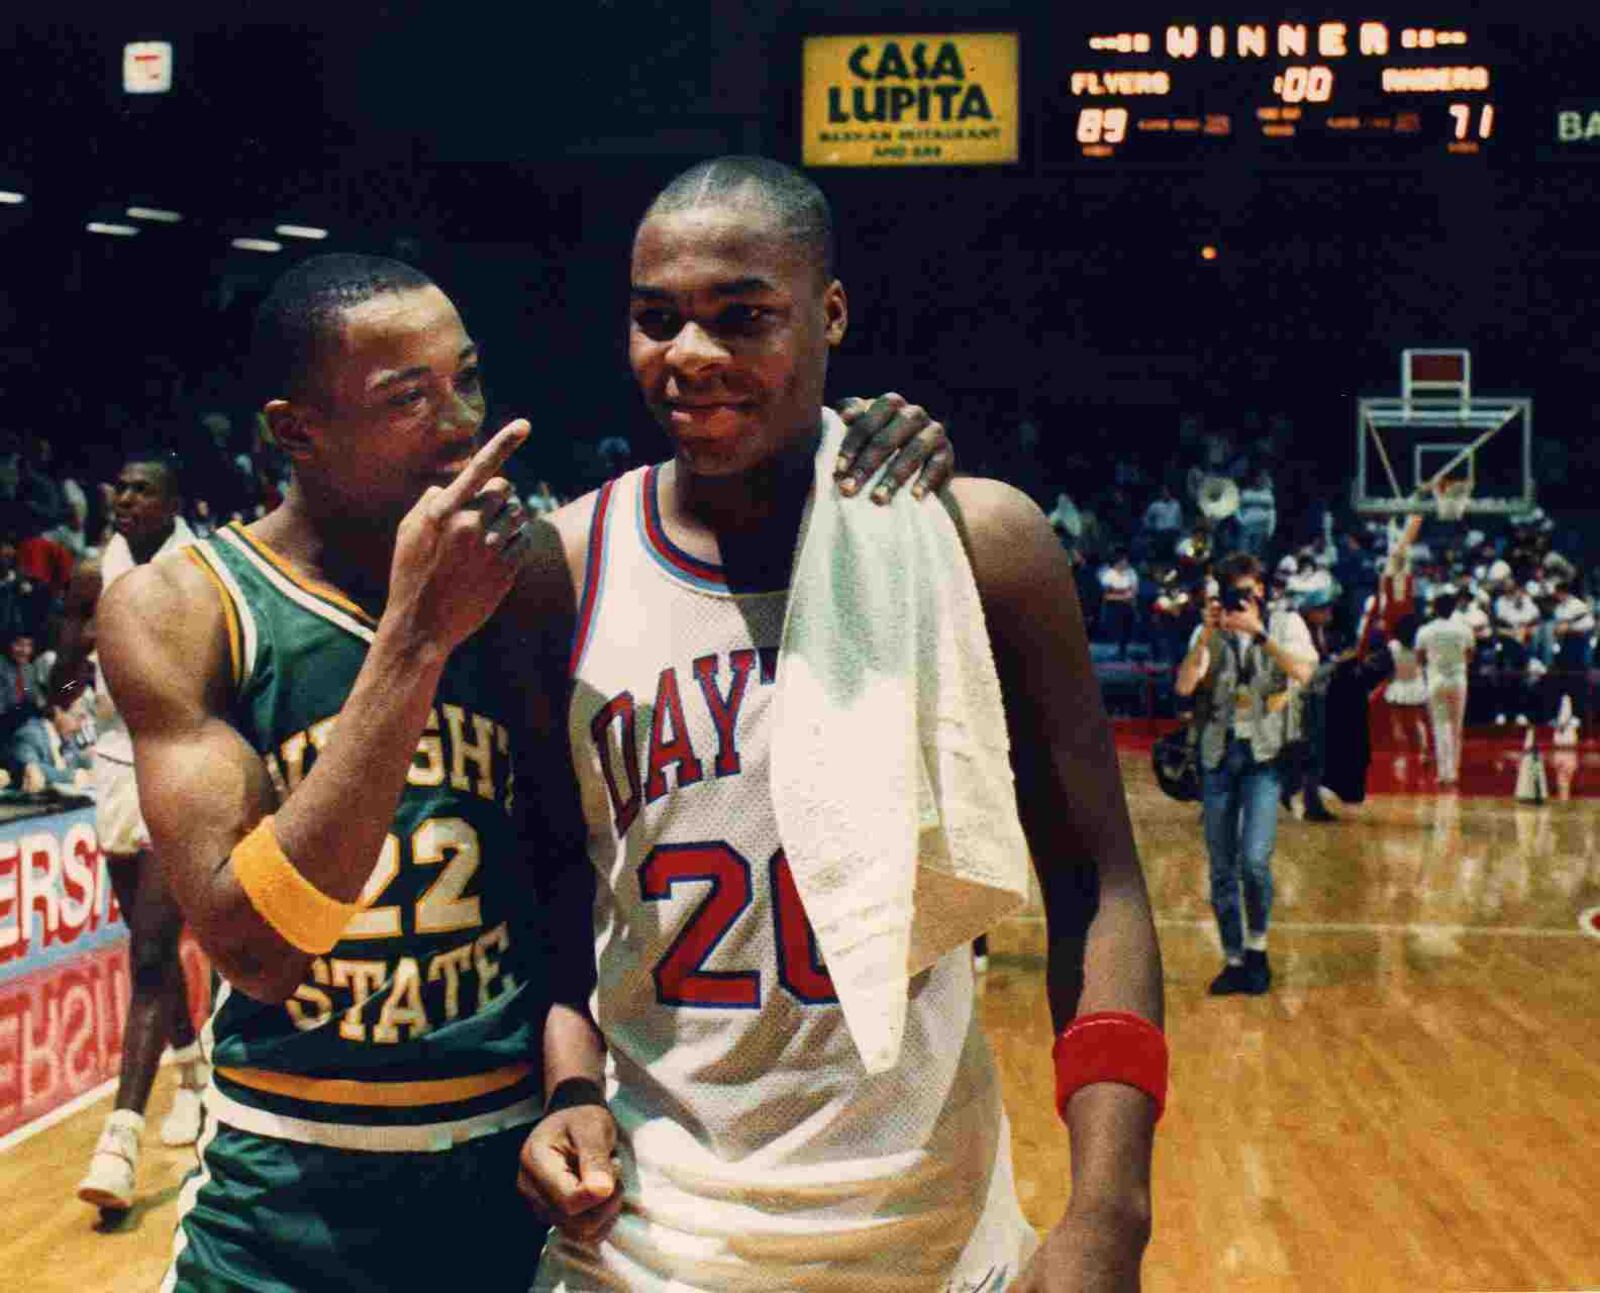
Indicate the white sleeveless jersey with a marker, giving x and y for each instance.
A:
(111, 733)
(757, 1152)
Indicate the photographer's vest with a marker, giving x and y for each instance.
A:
(1234, 698)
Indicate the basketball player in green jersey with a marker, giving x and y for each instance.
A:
(332, 686)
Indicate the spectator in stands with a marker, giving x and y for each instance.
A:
(77, 503)
(1173, 616)
(1119, 594)
(615, 454)
(37, 488)
(1163, 521)
(21, 607)
(10, 465)
(1067, 521)
(1116, 515)
(1472, 609)
(215, 472)
(543, 500)
(22, 684)
(1572, 625)
(1516, 619)
(1283, 574)
(202, 519)
(1258, 514)
(1194, 555)
(47, 753)
(1240, 671)
(72, 534)
(46, 563)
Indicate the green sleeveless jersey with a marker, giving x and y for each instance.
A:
(421, 1027)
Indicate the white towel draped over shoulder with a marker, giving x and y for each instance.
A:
(891, 775)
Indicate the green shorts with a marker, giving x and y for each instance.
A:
(276, 1216)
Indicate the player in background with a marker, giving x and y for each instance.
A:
(146, 509)
(1444, 649)
(754, 1149)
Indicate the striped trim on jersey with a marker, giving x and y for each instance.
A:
(706, 576)
(318, 598)
(243, 637)
(388, 1095)
(384, 1138)
(594, 576)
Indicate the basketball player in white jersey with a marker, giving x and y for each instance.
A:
(753, 1150)
(1444, 649)
(146, 506)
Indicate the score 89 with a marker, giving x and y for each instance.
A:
(1102, 125)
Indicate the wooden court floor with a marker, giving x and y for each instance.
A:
(1415, 1107)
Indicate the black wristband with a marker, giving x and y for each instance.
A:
(573, 1091)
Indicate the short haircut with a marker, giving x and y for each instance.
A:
(301, 314)
(1444, 604)
(797, 204)
(1239, 565)
(165, 461)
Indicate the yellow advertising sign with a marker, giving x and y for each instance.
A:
(915, 100)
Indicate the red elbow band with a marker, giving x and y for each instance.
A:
(1111, 1046)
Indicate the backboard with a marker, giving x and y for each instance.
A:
(1438, 430)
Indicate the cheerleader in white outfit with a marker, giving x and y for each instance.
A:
(1406, 693)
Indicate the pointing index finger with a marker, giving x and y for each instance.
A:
(486, 463)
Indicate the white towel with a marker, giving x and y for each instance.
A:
(891, 775)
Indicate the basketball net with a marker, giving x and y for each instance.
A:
(1453, 499)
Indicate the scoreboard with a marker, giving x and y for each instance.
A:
(1335, 91)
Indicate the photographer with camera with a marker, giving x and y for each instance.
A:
(1241, 673)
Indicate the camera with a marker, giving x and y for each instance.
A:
(1235, 598)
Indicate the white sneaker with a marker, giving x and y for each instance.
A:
(109, 1181)
(181, 1126)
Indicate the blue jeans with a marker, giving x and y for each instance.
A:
(1241, 816)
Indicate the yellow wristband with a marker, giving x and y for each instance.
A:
(301, 913)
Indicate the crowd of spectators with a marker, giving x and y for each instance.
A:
(1142, 545)
(1143, 576)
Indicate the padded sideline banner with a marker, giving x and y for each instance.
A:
(55, 892)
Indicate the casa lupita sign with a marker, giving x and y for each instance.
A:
(913, 100)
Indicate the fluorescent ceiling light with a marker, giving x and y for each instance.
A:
(154, 213)
(301, 231)
(116, 230)
(257, 244)
(10, 199)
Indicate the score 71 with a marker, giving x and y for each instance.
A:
(1461, 113)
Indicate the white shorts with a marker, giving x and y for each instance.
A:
(116, 808)
(633, 1260)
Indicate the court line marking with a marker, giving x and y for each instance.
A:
(1361, 927)
(60, 1113)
